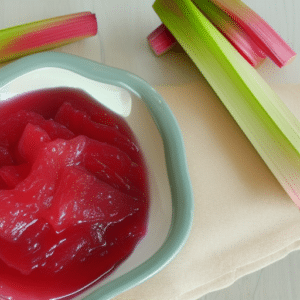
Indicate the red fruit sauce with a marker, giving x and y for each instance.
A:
(73, 194)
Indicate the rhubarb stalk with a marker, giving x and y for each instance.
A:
(161, 40)
(265, 36)
(242, 41)
(46, 34)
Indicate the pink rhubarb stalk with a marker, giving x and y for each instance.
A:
(161, 40)
(242, 41)
(46, 34)
(264, 35)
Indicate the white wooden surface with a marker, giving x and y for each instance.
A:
(279, 281)
(121, 42)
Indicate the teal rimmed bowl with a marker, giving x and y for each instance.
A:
(171, 209)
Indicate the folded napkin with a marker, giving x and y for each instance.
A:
(243, 219)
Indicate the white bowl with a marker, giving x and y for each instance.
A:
(155, 127)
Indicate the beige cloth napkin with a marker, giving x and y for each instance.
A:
(243, 219)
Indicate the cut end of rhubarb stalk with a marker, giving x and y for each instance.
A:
(290, 60)
(46, 34)
(161, 40)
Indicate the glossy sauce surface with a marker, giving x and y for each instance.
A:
(73, 194)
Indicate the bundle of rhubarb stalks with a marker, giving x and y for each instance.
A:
(226, 40)
(248, 33)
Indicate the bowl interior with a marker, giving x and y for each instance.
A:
(134, 110)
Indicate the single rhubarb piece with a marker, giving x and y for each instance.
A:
(270, 126)
(264, 35)
(45, 34)
(161, 40)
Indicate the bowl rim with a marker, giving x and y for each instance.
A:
(175, 156)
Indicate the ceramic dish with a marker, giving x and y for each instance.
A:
(153, 123)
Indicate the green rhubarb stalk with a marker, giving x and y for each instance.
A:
(270, 126)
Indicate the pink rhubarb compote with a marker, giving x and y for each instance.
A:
(74, 194)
